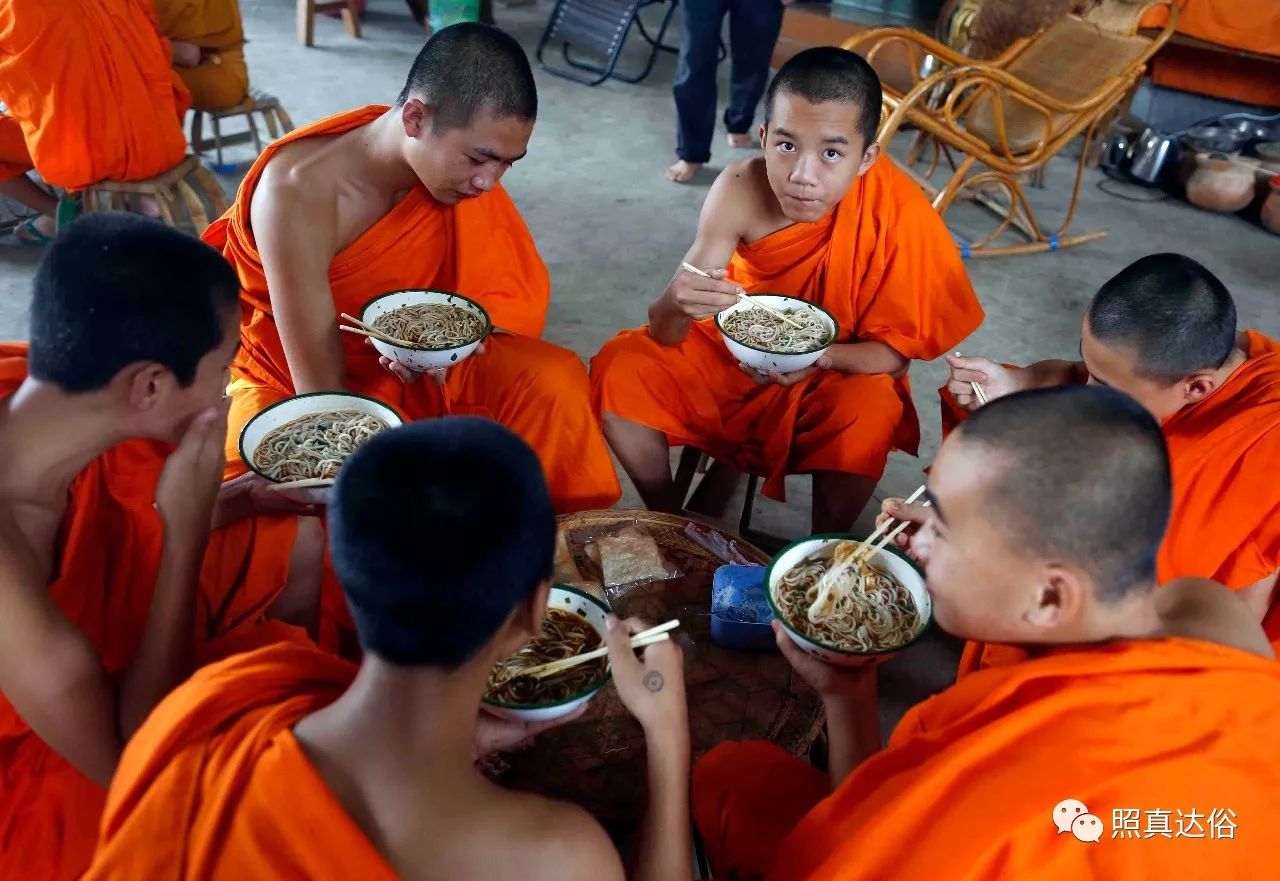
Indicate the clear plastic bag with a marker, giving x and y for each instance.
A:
(628, 557)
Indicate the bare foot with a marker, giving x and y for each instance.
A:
(682, 172)
(38, 231)
(741, 140)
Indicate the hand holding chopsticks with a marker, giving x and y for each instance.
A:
(977, 389)
(866, 550)
(689, 267)
(639, 640)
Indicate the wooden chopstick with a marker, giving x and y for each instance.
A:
(639, 640)
(977, 389)
(374, 332)
(864, 549)
(305, 483)
(747, 299)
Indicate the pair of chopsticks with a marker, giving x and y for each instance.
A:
(370, 331)
(640, 640)
(866, 551)
(306, 483)
(689, 267)
(977, 389)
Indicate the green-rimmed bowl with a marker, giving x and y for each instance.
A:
(819, 547)
(566, 599)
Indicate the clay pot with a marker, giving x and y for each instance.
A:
(1220, 183)
(1271, 207)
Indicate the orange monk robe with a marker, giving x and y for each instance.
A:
(883, 264)
(479, 248)
(88, 86)
(967, 786)
(1223, 454)
(110, 545)
(1231, 24)
(215, 787)
(221, 80)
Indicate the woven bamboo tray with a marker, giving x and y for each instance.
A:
(598, 760)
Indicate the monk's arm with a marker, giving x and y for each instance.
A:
(869, 356)
(853, 725)
(53, 677)
(665, 840)
(1196, 608)
(296, 241)
(690, 297)
(1051, 373)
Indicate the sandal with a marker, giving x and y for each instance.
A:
(27, 234)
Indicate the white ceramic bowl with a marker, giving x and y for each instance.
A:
(821, 546)
(764, 360)
(584, 605)
(422, 358)
(289, 409)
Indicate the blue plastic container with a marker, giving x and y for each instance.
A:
(740, 613)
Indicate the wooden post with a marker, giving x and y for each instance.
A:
(306, 22)
(350, 19)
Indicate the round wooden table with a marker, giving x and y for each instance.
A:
(598, 760)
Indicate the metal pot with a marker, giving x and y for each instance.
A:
(1153, 157)
(1215, 139)
(1115, 152)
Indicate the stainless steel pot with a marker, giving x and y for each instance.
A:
(1115, 152)
(1153, 157)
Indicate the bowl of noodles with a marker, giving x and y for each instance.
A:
(443, 327)
(840, 609)
(766, 343)
(574, 624)
(308, 437)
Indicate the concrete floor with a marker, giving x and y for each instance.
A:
(612, 230)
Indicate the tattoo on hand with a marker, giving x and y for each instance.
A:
(653, 681)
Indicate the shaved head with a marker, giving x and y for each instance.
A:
(466, 69)
(1077, 474)
(827, 73)
(1170, 313)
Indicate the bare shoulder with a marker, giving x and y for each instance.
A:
(290, 178)
(741, 197)
(568, 844)
(1196, 608)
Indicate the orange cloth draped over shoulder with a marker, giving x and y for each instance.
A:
(1223, 452)
(221, 80)
(479, 248)
(214, 786)
(89, 91)
(968, 785)
(110, 545)
(883, 264)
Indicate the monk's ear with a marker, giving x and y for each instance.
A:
(534, 609)
(869, 157)
(146, 385)
(764, 133)
(1060, 597)
(1197, 387)
(416, 118)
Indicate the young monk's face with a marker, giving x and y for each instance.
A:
(180, 405)
(983, 584)
(813, 153)
(464, 162)
(1116, 367)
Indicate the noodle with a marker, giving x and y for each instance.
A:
(315, 445)
(431, 325)
(847, 603)
(564, 635)
(754, 326)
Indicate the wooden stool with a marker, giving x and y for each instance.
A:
(275, 117)
(307, 10)
(181, 187)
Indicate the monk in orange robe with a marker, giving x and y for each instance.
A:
(1164, 331)
(70, 120)
(286, 763)
(1050, 767)
(111, 455)
(206, 39)
(824, 218)
(408, 197)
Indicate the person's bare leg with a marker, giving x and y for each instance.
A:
(23, 189)
(838, 499)
(646, 457)
(712, 495)
(741, 140)
(299, 602)
(683, 172)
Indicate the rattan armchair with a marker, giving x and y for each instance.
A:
(996, 122)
